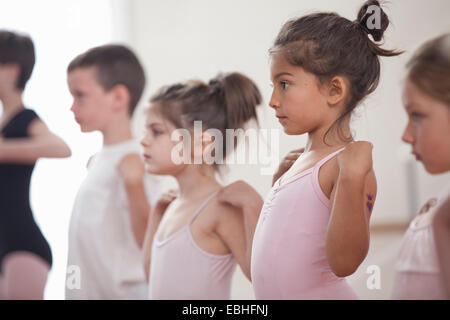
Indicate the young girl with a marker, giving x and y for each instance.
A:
(25, 255)
(313, 230)
(191, 248)
(423, 268)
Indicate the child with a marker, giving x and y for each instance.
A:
(25, 255)
(422, 268)
(191, 248)
(313, 229)
(111, 209)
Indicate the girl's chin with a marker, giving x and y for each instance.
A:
(435, 169)
(153, 169)
(291, 132)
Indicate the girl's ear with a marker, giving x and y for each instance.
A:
(338, 89)
(207, 140)
(209, 145)
(121, 97)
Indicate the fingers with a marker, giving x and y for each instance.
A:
(168, 196)
(294, 154)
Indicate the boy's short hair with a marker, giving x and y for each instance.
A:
(116, 64)
(17, 48)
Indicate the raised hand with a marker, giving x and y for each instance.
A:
(164, 201)
(356, 159)
(286, 163)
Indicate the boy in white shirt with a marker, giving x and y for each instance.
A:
(111, 209)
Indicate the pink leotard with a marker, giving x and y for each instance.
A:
(288, 254)
(181, 270)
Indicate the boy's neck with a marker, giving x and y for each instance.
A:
(117, 132)
(12, 102)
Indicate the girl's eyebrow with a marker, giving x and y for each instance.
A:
(410, 106)
(283, 74)
(155, 124)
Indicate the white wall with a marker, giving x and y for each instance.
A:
(179, 40)
(60, 31)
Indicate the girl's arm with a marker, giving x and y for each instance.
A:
(441, 226)
(153, 222)
(132, 171)
(237, 226)
(352, 200)
(41, 144)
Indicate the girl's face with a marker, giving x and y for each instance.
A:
(296, 98)
(158, 145)
(428, 129)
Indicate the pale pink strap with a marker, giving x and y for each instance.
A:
(204, 203)
(327, 158)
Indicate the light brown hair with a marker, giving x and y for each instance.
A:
(429, 68)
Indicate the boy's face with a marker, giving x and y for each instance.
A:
(8, 77)
(92, 105)
(428, 129)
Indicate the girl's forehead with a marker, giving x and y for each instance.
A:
(154, 117)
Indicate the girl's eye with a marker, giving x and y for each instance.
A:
(156, 132)
(416, 116)
(284, 84)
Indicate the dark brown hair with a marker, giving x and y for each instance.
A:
(328, 45)
(228, 101)
(16, 48)
(115, 64)
(429, 68)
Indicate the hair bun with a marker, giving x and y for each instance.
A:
(377, 24)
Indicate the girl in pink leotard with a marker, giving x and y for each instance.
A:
(313, 229)
(193, 242)
(422, 269)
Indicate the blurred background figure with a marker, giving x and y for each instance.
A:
(181, 40)
(422, 268)
(25, 255)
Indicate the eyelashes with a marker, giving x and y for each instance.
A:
(283, 84)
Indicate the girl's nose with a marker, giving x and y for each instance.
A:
(144, 141)
(407, 135)
(274, 103)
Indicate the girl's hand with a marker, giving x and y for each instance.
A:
(286, 163)
(356, 159)
(164, 201)
(239, 194)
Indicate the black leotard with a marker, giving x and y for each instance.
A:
(18, 230)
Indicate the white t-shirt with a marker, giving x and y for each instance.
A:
(103, 252)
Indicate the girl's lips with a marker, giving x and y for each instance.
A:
(147, 157)
(281, 119)
(417, 156)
